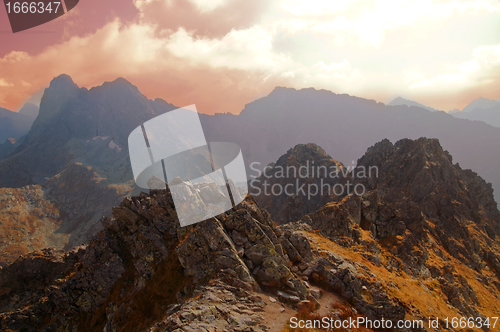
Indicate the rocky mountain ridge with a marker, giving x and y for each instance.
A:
(420, 242)
(80, 125)
(480, 103)
(143, 271)
(421, 215)
(90, 127)
(345, 126)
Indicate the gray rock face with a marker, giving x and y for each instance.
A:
(217, 306)
(300, 182)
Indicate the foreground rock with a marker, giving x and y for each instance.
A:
(388, 253)
(144, 267)
(300, 182)
(421, 216)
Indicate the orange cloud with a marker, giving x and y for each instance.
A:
(221, 54)
(135, 53)
(215, 23)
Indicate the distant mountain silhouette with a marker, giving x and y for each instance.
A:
(401, 101)
(80, 125)
(29, 109)
(490, 115)
(16, 124)
(481, 103)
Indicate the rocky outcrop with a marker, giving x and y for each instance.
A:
(412, 213)
(386, 252)
(142, 254)
(216, 307)
(417, 215)
(300, 182)
(144, 271)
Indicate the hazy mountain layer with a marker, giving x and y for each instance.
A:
(15, 125)
(401, 101)
(480, 103)
(490, 116)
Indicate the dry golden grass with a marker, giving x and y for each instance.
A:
(424, 297)
(25, 223)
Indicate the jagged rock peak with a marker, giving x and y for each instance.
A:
(118, 88)
(62, 81)
(304, 166)
(304, 152)
(120, 81)
(144, 256)
(416, 193)
(422, 147)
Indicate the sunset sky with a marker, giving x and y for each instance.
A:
(222, 54)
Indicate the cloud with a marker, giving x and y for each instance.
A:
(206, 18)
(365, 24)
(482, 69)
(135, 52)
(460, 82)
(221, 54)
(208, 5)
(249, 49)
(3, 83)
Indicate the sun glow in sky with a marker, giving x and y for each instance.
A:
(222, 54)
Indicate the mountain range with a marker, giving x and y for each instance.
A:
(482, 109)
(73, 165)
(75, 159)
(345, 126)
(480, 102)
